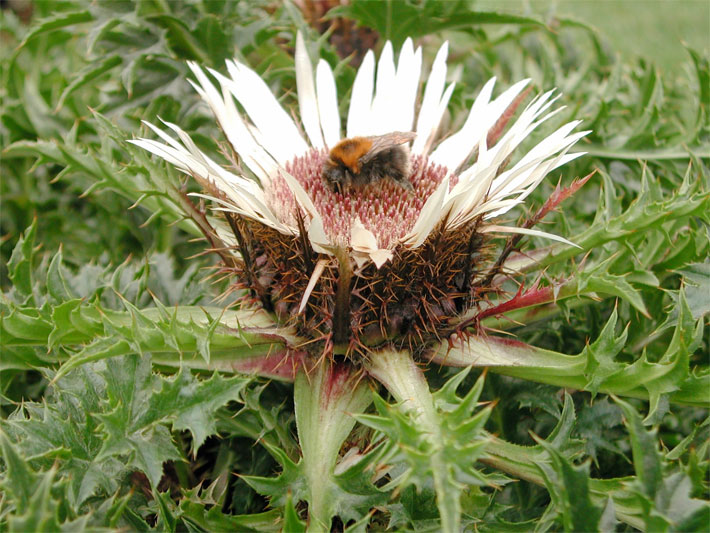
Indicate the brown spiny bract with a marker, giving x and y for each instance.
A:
(408, 302)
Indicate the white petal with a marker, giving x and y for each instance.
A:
(307, 102)
(569, 157)
(284, 140)
(244, 194)
(361, 97)
(317, 271)
(160, 133)
(316, 232)
(524, 125)
(192, 147)
(318, 238)
(409, 71)
(382, 120)
(443, 104)
(478, 124)
(218, 174)
(430, 215)
(532, 180)
(179, 157)
(549, 146)
(497, 206)
(540, 174)
(476, 194)
(429, 116)
(526, 231)
(161, 150)
(477, 170)
(272, 147)
(302, 198)
(463, 205)
(224, 233)
(361, 237)
(255, 157)
(328, 103)
(518, 177)
(248, 206)
(381, 256)
(364, 245)
(456, 148)
(556, 141)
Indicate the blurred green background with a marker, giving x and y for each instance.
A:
(655, 29)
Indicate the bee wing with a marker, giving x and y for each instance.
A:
(384, 142)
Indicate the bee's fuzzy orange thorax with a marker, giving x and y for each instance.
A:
(349, 151)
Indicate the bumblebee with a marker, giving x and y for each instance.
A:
(361, 160)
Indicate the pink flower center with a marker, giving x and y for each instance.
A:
(385, 208)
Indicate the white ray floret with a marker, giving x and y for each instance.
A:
(328, 103)
(361, 97)
(307, 100)
(433, 104)
(383, 112)
(267, 115)
(406, 87)
(254, 156)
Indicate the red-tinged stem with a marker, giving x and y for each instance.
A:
(533, 296)
(497, 130)
(560, 195)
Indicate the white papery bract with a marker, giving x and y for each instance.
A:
(457, 179)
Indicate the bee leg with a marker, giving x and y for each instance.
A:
(349, 178)
(405, 184)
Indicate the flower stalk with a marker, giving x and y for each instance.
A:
(398, 372)
(325, 400)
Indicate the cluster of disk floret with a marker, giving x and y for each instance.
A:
(385, 208)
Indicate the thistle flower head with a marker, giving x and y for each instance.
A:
(381, 261)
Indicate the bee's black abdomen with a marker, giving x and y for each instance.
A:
(392, 163)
